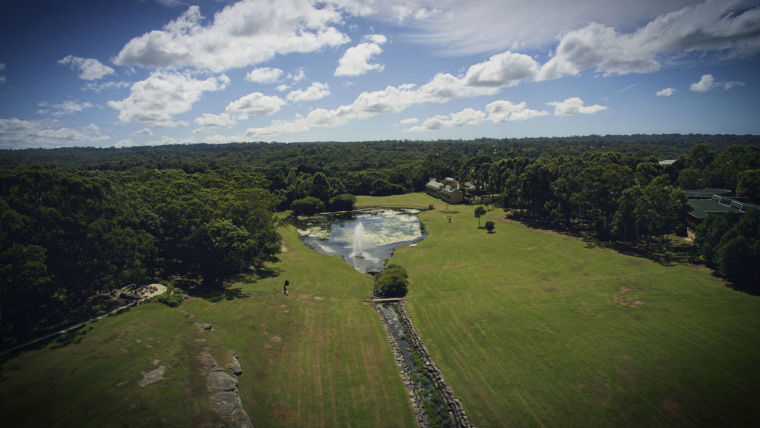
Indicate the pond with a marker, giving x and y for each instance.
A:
(365, 238)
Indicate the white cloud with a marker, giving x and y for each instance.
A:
(504, 111)
(504, 69)
(467, 116)
(145, 132)
(720, 27)
(481, 79)
(242, 34)
(282, 88)
(163, 141)
(498, 112)
(99, 86)
(155, 100)
(666, 92)
(208, 119)
(574, 105)
(89, 68)
(254, 104)
(264, 75)
(64, 108)
(316, 91)
(297, 76)
(706, 82)
(729, 85)
(356, 60)
(20, 134)
(409, 121)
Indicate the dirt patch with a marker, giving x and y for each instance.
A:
(187, 315)
(454, 265)
(318, 298)
(304, 296)
(284, 248)
(601, 387)
(672, 404)
(152, 376)
(623, 289)
(496, 287)
(629, 302)
(275, 339)
(281, 411)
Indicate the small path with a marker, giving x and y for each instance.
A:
(155, 290)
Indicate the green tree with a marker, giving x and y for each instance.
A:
(392, 282)
(749, 184)
(490, 226)
(307, 206)
(479, 212)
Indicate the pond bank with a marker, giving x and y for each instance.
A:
(433, 402)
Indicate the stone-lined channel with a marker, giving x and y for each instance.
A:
(433, 401)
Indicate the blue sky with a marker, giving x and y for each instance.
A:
(147, 72)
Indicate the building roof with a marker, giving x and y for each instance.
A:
(705, 192)
(434, 185)
(667, 162)
(700, 208)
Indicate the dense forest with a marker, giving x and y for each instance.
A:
(76, 223)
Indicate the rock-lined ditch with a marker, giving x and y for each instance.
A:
(433, 401)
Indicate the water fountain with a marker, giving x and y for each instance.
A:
(358, 252)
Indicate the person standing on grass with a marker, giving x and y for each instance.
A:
(285, 287)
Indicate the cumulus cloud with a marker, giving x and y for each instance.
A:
(497, 112)
(505, 111)
(155, 100)
(719, 27)
(254, 104)
(20, 134)
(409, 121)
(145, 132)
(485, 78)
(356, 60)
(242, 34)
(316, 91)
(264, 75)
(666, 92)
(64, 108)
(574, 105)
(99, 86)
(705, 83)
(208, 119)
(89, 68)
(163, 141)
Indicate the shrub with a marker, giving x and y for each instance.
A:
(307, 206)
(173, 297)
(343, 202)
(392, 281)
(490, 225)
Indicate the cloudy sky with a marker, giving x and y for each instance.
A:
(146, 72)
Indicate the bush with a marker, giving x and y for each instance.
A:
(173, 297)
(343, 202)
(490, 225)
(307, 206)
(392, 281)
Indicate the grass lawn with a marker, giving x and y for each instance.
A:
(536, 328)
(316, 358)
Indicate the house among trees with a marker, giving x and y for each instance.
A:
(447, 190)
(703, 202)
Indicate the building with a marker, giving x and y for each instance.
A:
(446, 190)
(705, 202)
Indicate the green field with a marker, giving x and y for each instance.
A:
(316, 358)
(536, 328)
(530, 327)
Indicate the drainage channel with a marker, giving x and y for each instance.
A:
(432, 400)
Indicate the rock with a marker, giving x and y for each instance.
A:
(152, 376)
(219, 381)
(227, 405)
(204, 326)
(234, 364)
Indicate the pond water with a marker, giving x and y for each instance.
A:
(365, 238)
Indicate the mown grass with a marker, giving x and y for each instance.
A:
(537, 328)
(317, 357)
